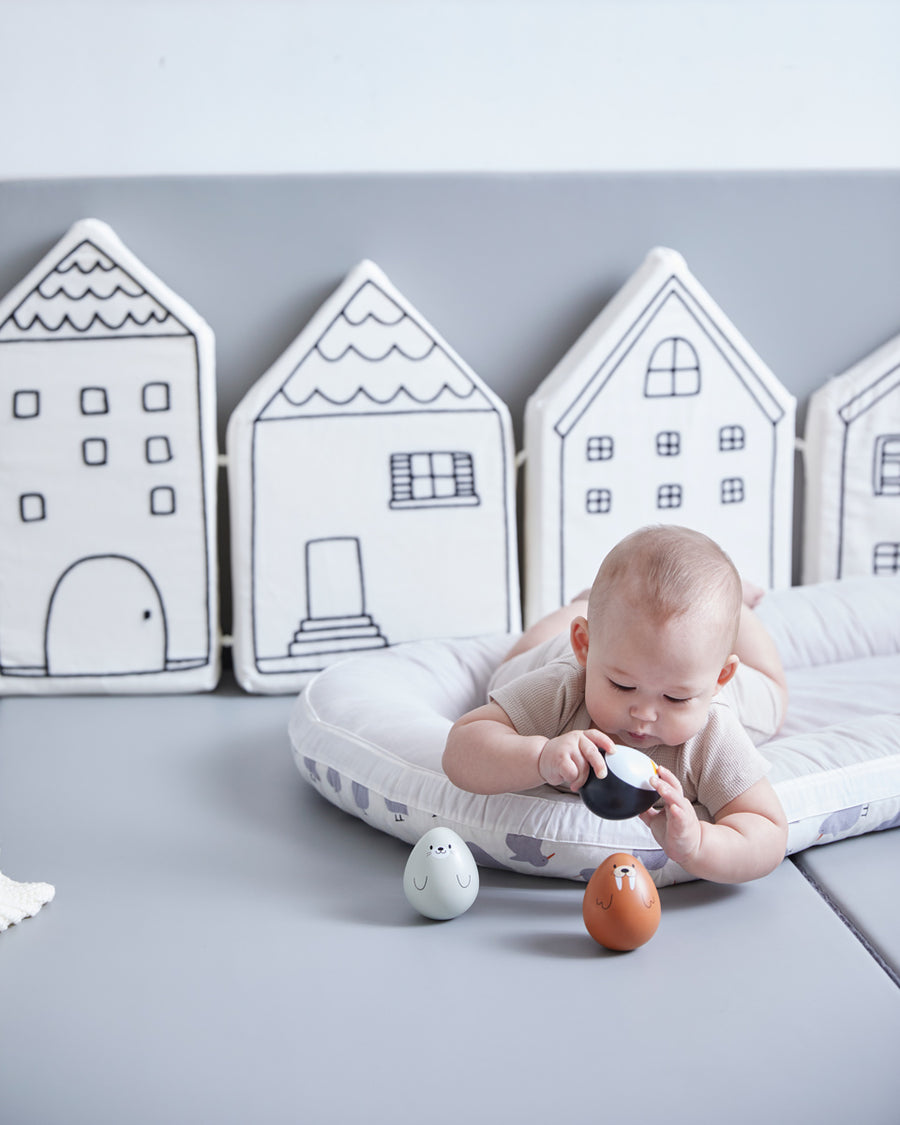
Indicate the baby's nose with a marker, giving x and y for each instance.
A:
(643, 711)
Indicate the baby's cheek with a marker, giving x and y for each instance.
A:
(689, 724)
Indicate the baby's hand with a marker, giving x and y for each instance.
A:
(675, 827)
(569, 758)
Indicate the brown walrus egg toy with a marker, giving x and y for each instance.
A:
(621, 903)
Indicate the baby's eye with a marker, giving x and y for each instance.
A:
(620, 687)
(672, 699)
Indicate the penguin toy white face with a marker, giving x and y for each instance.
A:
(441, 876)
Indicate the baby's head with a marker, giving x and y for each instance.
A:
(658, 641)
(664, 573)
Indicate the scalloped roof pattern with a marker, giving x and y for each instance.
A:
(88, 296)
(374, 357)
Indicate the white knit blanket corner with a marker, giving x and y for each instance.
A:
(21, 900)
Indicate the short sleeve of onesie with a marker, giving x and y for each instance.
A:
(717, 764)
(543, 692)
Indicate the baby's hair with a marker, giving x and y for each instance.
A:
(668, 571)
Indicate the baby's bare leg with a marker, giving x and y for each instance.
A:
(756, 649)
(559, 621)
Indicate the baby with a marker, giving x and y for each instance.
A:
(664, 655)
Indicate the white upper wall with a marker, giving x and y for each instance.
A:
(136, 87)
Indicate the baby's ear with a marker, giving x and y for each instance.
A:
(728, 670)
(578, 636)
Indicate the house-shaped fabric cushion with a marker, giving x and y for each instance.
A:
(108, 466)
(660, 413)
(371, 478)
(852, 458)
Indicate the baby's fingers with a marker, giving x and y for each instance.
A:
(592, 753)
(667, 784)
(667, 776)
(601, 740)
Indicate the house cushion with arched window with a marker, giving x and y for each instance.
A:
(660, 412)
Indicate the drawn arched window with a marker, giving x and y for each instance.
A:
(600, 448)
(26, 404)
(886, 558)
(598, 501)
(887, 465)
(668, 496)
(668, 443)
(674, 369)
(731, 439)
(432, 480)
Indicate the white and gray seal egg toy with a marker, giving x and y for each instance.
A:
(441, 876)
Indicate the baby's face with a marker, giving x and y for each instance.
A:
(650, 685)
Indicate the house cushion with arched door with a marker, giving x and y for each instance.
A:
(108, 469)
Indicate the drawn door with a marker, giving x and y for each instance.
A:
(337, 621)
(334, 579)
(105, 618)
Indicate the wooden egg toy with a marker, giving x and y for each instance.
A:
(626, 790)
(621, 903)
(441, 876)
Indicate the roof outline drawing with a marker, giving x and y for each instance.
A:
(864, 400)
(88, 287)
(675, 287)
(366, 325)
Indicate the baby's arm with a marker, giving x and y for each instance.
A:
(746, 841)
(486, 754)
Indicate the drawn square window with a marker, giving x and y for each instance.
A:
(156, 397)
(731, 439)
(886, 558)
(32, 507)
(94, 400)
(158, 449)
(669, 496)
(887, 465)
(432, 480)
(598, 501)
(162, 501)
(94, 451)
(732, 490)
(600, 448)
(26, 404)
(668, 443)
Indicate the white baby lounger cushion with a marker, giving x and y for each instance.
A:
(369, 732)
